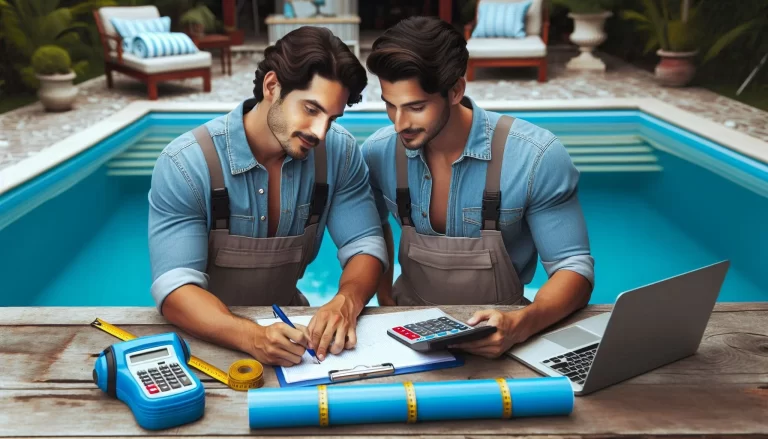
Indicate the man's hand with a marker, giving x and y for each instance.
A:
(278, 344)
(511, 328)
(334, 323)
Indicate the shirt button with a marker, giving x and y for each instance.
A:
(262, 217)
(427, 177)
(261, 191)
(424, 214)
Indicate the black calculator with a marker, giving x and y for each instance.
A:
(438, 333)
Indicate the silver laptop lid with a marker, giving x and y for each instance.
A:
(656, 324)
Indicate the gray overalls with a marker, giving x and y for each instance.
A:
(247, 271)
(443, 270)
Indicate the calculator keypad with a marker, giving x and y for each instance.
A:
(435, 327)
(164, 378)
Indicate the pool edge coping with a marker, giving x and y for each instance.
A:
(59, 152)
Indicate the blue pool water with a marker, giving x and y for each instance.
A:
(658, 201)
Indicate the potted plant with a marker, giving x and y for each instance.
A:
(197, 21)
(588, 20)
(53, 69)
(674, 35)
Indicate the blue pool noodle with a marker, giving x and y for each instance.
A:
(379, 403)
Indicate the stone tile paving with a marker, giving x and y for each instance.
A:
(26, 131)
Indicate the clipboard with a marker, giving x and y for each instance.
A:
(375, 355)
(363, 372)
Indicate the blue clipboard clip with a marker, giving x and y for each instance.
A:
(361, 372)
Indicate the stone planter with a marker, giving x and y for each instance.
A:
(56, 92)
(587, 34)
(676, 69)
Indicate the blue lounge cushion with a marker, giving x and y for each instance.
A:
(156, 44)
(129, 28)
(501, 19)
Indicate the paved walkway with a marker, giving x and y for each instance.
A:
(26, 131)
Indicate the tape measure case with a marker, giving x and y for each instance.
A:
(150, 375)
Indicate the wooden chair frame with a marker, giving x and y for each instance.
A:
(151, 79)
(540, 62)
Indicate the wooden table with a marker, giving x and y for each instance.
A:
(221, 42)
(47, 354)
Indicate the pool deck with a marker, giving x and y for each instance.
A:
(47, 390)
(26, 134)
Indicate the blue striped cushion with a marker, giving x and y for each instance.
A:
(501, 20)
(155, 44)
(129, 28)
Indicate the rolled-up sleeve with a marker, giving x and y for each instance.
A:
(353, 220)
(555, 216)
(178, 236)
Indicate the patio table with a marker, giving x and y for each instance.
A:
(46, 389)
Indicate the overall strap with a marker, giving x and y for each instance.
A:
(492, 194)
(219, 194)
(402, 193)
(320, 190)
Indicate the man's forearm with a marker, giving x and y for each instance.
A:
(359, 280)
(203, 315)
(565, 292)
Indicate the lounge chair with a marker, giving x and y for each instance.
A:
(148, 70)
(529, 51)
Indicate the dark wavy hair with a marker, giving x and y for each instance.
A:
(309, 50)
(426, 48)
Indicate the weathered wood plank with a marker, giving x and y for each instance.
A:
(149, 315)
(620, 410)
(46, 355)
(734, 350)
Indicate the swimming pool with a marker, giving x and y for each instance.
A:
(658, 200)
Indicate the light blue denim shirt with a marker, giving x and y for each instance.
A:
(180, 202)
(540, 212)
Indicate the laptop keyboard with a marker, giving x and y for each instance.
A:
(574, 364)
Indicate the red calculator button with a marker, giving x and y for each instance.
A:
(152, 388)
(399, 329)
(411, 335)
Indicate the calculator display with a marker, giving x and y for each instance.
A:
(151, 355)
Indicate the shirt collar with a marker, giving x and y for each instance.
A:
(479, 140)
(241, 157)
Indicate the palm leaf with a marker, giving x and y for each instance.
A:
(634, 16)
(15, 30)
(731, 36)
(88, 6)
(651, 44)
(658, 24)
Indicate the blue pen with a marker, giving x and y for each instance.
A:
(279, 313)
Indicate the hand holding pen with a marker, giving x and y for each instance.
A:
(281, 315)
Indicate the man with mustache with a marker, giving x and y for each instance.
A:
(238, 207)
(478, 196)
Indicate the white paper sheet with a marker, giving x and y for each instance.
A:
(374, 346)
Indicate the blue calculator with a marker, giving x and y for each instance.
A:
(150, 375)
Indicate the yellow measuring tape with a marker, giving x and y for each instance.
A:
(506, 398)
(322, 404)
(410, 396)
(243, 374)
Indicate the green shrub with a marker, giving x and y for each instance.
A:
(50, 60)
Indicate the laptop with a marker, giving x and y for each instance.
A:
(648, 327)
